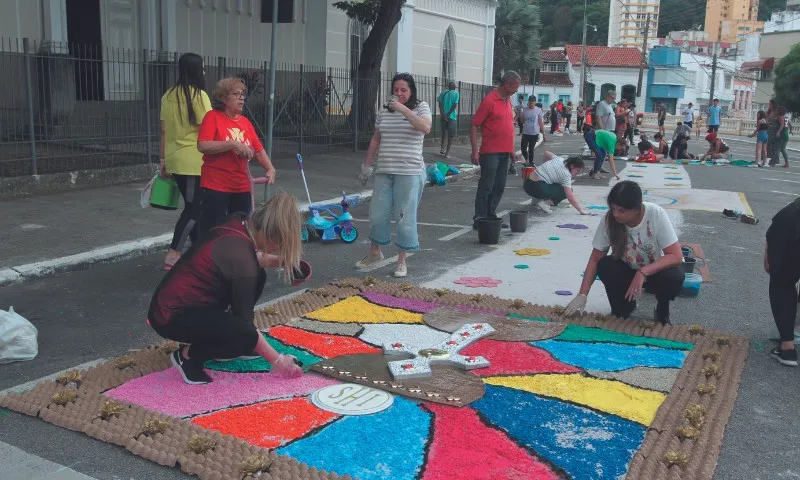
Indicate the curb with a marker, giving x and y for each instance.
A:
(133, 249)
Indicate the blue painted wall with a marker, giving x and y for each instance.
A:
(663, 57)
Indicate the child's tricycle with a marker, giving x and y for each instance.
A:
(324, 220)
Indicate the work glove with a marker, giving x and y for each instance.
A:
(286, 366)
(578, 304)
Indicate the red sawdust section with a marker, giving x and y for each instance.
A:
(463, 447)
(269, 424)
(515, 358)
(702, 265)
(320, 344)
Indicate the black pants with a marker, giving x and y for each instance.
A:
(569, 119)
(579, 124)
(784, 273)
(218, 205)
(212, 334)
(616, 275)
(553, 124)
(520, 124)
(542, 190)
(189, 186)
(492, 184)
(528, 144)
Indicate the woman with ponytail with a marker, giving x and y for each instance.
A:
(645, 255)
(207, 300)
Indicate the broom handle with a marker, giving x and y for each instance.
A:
(303, 174)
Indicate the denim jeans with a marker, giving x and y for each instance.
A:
(492, 184)
(396, 196)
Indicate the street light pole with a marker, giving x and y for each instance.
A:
(582, 93)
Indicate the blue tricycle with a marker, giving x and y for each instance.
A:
(331, 220)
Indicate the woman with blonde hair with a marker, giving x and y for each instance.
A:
(182, 110)
(207, 299)
(228, 142)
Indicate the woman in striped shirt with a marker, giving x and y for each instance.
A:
(551, 182)
(399, 172)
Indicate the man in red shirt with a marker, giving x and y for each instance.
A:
(495, 117)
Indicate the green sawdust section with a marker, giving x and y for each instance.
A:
(261, 365)
(578, 333)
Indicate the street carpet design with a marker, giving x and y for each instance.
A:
(591, 397)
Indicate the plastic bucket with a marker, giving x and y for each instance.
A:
(489, 230)
(518, 221)
(688, 264)
(165, 194)
(691, 285)
(302, 273)
(526, 171)
(687, 252)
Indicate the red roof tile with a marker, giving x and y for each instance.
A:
(554, 79)
(552, 55)
(606, 56)
(760, 64)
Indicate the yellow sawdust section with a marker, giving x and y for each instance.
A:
(532, 252)
(609, 396)
(357, 310)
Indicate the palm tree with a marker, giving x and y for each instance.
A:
(516, 36)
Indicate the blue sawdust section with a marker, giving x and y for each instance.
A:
(611, 357)
(261, 365)
(582, 442)
(389, 445)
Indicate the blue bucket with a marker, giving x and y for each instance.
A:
(691, 285)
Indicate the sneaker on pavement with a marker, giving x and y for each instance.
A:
(401, 270)
(369, 260)
(785, 357)
(543, 204)
(250, 356)
(192, 373)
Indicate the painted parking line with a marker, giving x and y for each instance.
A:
(785, 193)
(780, 180)
(456, 234)
(382, 263)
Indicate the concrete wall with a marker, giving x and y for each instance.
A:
(428, 38)
(599, 76)
(22, 19)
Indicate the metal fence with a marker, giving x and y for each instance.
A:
(66, 107)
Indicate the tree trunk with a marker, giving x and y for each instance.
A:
(366, 84)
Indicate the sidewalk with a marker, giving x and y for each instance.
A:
(46, 234)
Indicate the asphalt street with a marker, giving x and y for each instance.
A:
(99, 313)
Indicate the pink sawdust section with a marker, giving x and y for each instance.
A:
(515, 358)
(466, 448)
(321, 344)
(166, 392)
(413, 305)
(269, 424)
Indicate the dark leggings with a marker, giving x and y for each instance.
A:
(616, 275)
(218, 205)
(569, 119)
(784, 261)
(579, 124)
(189, 185)
(212, 333)
(542, 190)
(528, 144)
(553, 124)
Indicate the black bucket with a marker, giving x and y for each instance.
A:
(688, 264)
(687, 252)
(489, 230)
(518, 220)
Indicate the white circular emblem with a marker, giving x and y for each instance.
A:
(352, 399)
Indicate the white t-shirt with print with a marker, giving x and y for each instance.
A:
(688, 114)
(646, 242)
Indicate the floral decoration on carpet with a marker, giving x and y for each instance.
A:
(577, 405)
(532, 252)
(478, 282)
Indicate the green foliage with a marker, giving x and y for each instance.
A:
(787, 80)
(365, 11)
(766, 7)
(516, 36)
(672, 20)
(562, 22)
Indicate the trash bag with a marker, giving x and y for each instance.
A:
(146, 191)
(17, 337)
(435, 177)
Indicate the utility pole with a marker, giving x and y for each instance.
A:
(582, 93)
(713, 74)
(644, 57)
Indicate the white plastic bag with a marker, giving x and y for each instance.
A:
(17, 337)
(145, 200)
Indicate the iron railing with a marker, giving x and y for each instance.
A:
(66, 107)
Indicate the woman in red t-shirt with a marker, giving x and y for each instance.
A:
(228, 141)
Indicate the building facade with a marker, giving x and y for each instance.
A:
(783, 21)
(552, 82)
(773, 46)
(666, 79)
(730, 20)
(628, 20)
(607, 68)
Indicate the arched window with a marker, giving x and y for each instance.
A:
(449, 55)
(357, 33)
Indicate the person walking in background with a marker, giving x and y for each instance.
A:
(631, 123)
(532, 129)
(518, 114)
(761, 138)
(580, 114)
(604, 112)
(783, 137)
(495, 120)
(714, 116)
(228, 142)
(553, 118)
(688, 116)
(568, 116)
(661, 111)
(399, 174)
(448, 104)
(782, 263)
(183, 108)
(774, 123)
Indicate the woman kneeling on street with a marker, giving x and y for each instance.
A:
(551, 182)
(225, 271)
(645, 255)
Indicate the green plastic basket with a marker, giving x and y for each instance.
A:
(165, 194)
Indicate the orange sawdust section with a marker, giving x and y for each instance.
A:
(321, 344)
(269, 424)
(357, 310)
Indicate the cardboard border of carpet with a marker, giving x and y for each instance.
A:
(702, 397)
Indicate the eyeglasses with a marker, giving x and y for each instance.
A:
(241, 95)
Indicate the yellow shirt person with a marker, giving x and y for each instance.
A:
(180, 149)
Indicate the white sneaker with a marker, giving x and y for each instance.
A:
(369, 260)
(543, 204)
(401, 270)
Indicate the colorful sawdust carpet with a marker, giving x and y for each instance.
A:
(579, 405)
